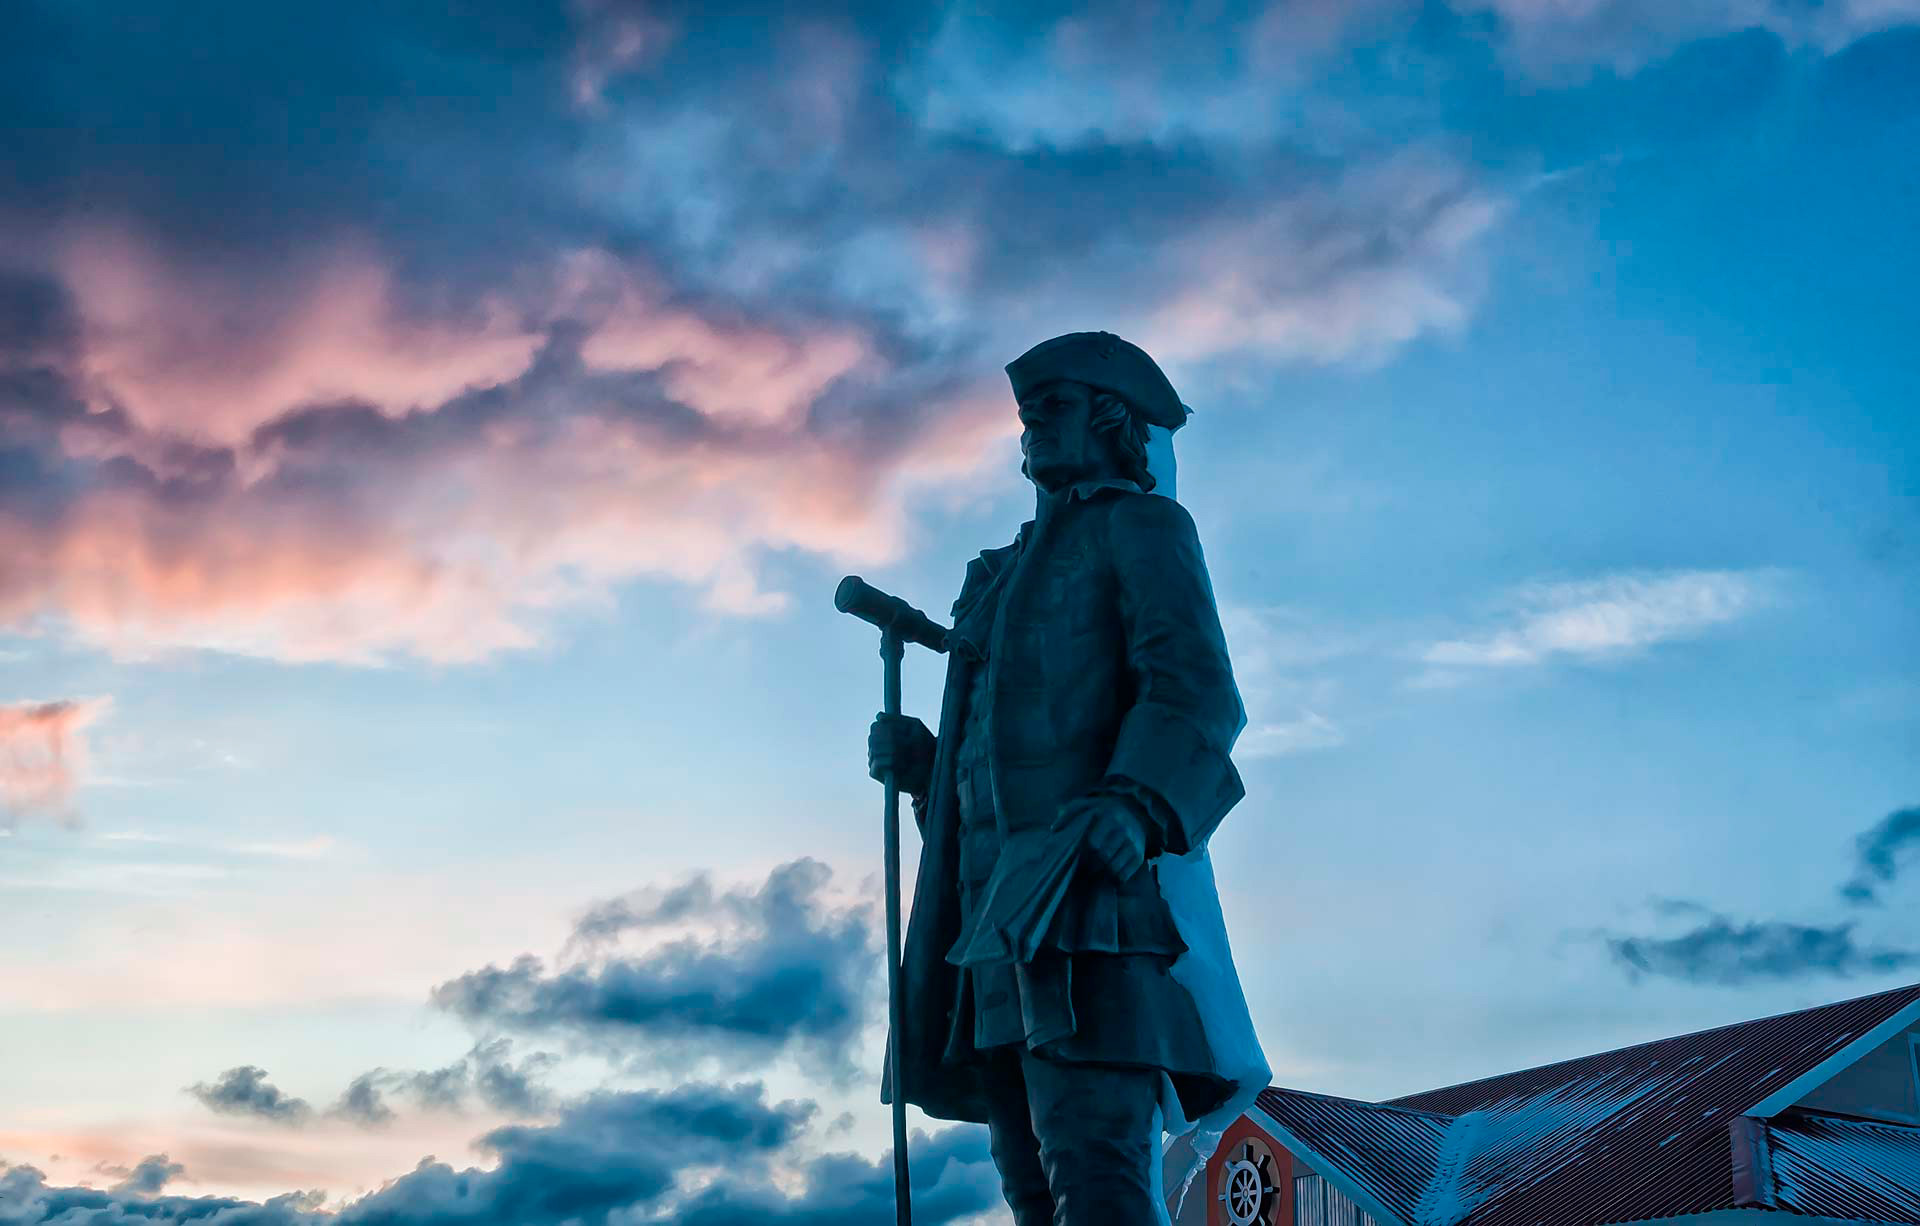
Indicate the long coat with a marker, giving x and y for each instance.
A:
(1107, 662)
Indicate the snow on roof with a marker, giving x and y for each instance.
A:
(1846, 1168)
(1618, 1136)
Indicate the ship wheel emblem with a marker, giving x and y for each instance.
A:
(1247, 1191)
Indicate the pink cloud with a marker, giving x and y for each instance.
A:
(403, 525)
(43, 755)
(1291, 283)
(199, 352)
(724, 366)
(326, 462)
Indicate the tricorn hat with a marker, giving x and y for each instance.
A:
(1102, 360)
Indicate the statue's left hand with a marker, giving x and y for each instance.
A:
(1117, 834)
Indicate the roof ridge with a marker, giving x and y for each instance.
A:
(1913, 988)
(1360, 1102)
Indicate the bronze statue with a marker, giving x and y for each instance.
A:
(1088, 697)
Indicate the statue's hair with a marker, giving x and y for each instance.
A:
(1126, 432)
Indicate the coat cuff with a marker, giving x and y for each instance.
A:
(1145, 802)
(1196, 782)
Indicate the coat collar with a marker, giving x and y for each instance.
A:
(985, 572)
(1087, 489)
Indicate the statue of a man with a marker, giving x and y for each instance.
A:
(1087, 680)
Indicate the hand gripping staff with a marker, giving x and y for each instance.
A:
(900, 623)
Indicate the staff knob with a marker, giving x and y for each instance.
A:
(875, 607)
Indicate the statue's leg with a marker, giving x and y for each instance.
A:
(1016, 1152)
(1096, 1128)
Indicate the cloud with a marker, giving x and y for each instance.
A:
(1279, 663)
(150, 1176)
(952, 1173)
(607, 1152)
(185, 351)
(245, 1090)
(754, 974)
(27, 1200)
(1609, 617)
(1879, 851)
(43, 755)
(340, 531)
(703, 291)
(363, 1101)
(1720, 950)
(799, 970)
(1562, 39)
(693, 1154)
(1326, 290)
(507, 1086)
(486, 1073)
(1308, 732)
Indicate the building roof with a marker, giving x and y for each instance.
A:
(1845, 1168)
(1393, 1152)
(1620, 1136)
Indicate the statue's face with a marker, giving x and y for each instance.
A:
(1057, 438)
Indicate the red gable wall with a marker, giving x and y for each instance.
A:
(1280, 1171)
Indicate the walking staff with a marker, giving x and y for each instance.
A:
(900, 623)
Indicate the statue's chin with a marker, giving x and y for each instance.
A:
(1053, 478)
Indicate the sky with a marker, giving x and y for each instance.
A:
(432, 771)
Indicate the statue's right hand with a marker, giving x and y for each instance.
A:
(903, 745)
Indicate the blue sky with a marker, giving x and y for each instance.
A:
(427, 449)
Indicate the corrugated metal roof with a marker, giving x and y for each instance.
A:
(1656, 1110)
(1618, 1136)
(1391, 1152)
(1846, 1168)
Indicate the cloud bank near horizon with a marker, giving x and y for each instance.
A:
(640, 1155)
(739, 973)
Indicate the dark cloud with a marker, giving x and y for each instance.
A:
(245, 1090)
(363, 1101)
(605, 921)
(952, 1172)
(487, 1074)
(284, 126)
(27, 1200)
(608, 1157)
(767, 971)
(38, 322)
(738, 976)
(150, 1176)
(508, 1086)
(607, 1152)
(1720, 950)
(441, 1089)
(1880, 852)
